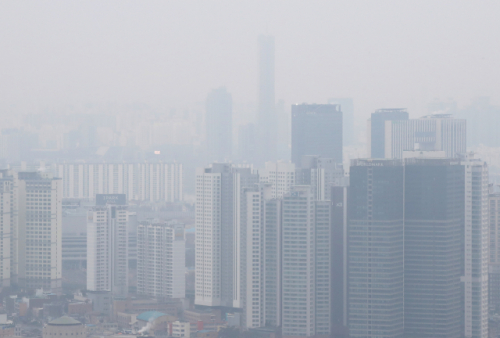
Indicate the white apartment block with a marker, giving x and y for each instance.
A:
(429, 133)
(219, 190)
(181, 329)
(161, 250)
(141, 181)
(39, 231)
(107, 258)
(477, 230)
(305, 264)
(281, 176)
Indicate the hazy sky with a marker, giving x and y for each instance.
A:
(171, 53)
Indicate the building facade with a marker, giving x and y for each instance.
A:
(39, 231)
(376, 129)
(219, 126)
(494, 265)
(280, 175)
(161, 260)
(107, 258)
(316, 130)
(142, 181)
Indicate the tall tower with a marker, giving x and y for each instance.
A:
(266, 116)
(219, 125)
(305, 264)
(39, 231)
(107, 245)
(376, 129)
(316, 130)
(375, 249)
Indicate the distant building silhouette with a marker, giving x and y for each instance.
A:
(219, 125)
(376, 129)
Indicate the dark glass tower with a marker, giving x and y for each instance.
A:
(434, 223)
(377, 129)
(375, 249)
(316, 130)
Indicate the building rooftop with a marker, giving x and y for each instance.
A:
(65, 320)
(150, 315)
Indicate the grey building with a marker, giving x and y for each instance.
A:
(305, 264)
(494, 266)
(375, 249)
(219, 125)
(316, 130)
(434, 223)
(376, 129)
(347, 107)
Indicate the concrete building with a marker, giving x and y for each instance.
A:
(107, 259)
(8, 228)
(64, 326)
(219, 126)
(494, 265)
(181, 329)
(320, 173)
(375, 249)
(219, 189)
(316, 130)
(376, 129)
(161, 259)
(305, 265)
(439, 132)
(39, 231)
(142, 181)
(280, 175)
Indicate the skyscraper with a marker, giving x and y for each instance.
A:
(8, 226)
(107, 244)
(305, 264)
(376, 129)
(347, 108)
(316, 130)
(494, 269)
(280, 175)
(266, 115)
(39, 231)
(219, 190)
(375, 249)
(219, 125)
(320, 173)
(161, 251)
(434, 223)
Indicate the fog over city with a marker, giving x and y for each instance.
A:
(250, 169)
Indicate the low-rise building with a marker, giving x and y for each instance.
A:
(64, 326)
(181, 329)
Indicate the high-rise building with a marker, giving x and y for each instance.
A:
(494, 266)
(219, 125)
(320, 173)
(39, 231)
(143, 181)
(280, 175)
(439, 132)
(347, 108)
(107, 259)
(8, 227)
(305, 264)
(161, 259)
(316, 130)
(376, 129)
(434, 225)
(375, 249)
(219, 190)
(266, 115)
(476, 247)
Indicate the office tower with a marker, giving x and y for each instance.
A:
(247, 143)
(107, 259)
(320, 174)
(316, 130)
(266, 114)
(280, 175)
(143, 181)
(494, 266)
(347, 108)
(376, 129)
(219, 190)
(439, 132)
(476, 247)
(434, 225)
(305, 264)
(375, 249)
(39, 231)
(161, 259)
(338, 200)
(219, 124)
